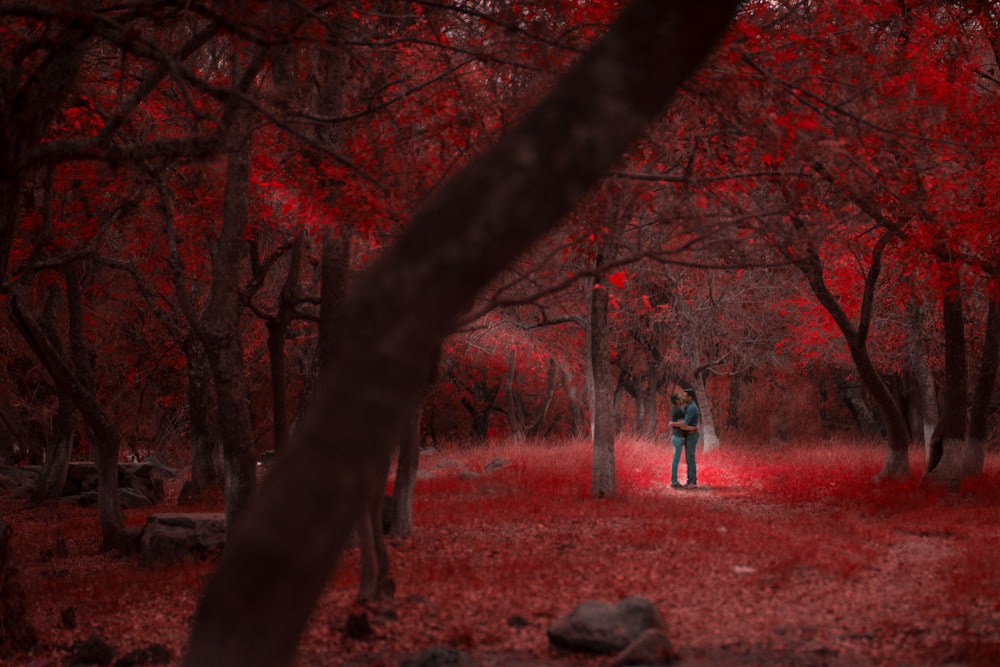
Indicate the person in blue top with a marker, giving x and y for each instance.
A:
(688, 427)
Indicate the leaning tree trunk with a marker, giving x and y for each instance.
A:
(897, 460)
(106, 440)
(488, 213)
(947, 447)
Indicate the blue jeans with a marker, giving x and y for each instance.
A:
(678, 442)
(688, 444)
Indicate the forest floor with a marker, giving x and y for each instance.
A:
(783, 556)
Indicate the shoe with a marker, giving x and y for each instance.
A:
(692, 485)
(675, 485)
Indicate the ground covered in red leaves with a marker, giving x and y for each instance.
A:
(783, 557)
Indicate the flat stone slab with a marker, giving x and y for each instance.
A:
(172, 538)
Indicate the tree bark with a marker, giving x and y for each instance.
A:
(735, 401)
(921, 371)
(709, 438)
(60, 442)
(206, 462)
(602, 401)
(974, 461)
(515, 407)
(406, 479)
(465, 233)
(947, 447)
(277, 330)
(223, 344)
(534, 425)
(897, 461)
(651, 400)
(106, 442)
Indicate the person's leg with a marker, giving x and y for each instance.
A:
(690, 443)
(678, 443)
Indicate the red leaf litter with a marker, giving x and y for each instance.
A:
(783, 557)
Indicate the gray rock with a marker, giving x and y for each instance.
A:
(496, 464)
(174, 538)
(440, 656)
(652, 647)
(139, 484)
(599, 627)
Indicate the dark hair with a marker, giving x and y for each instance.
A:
(690, 392)
(675, 397)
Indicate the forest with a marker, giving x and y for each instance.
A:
(266, 245)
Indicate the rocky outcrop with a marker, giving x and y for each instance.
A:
(139, 484)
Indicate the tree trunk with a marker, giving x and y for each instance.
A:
(406, 479)
(57, 451)
(534, 425)
(921, 371)
(206, 455)
(515, 406)
(974, 461)
(651, 400)
(945, 463)
(106, 442)
(277, 330)
(602, 403)
(223, 345)
(897, 461)
(489, 213)
(576, 405)
(853, 396)
(60, 441)
(709, 438)
(735, 401)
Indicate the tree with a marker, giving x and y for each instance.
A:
(407, 302)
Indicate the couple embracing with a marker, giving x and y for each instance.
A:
(684, 418)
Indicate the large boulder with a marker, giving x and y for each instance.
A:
(599, 627)
(168, 539)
